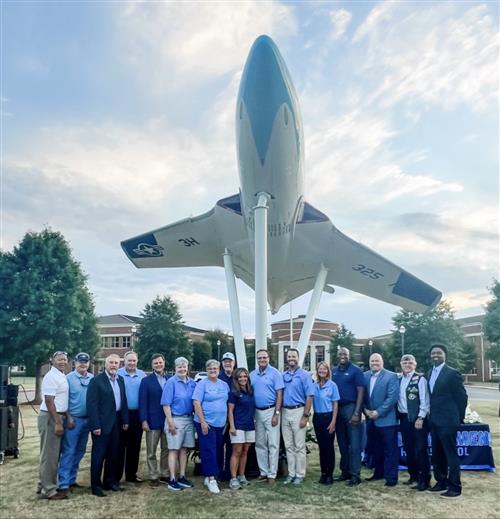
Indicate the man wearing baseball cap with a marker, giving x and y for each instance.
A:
(226, 374)
(76, 432)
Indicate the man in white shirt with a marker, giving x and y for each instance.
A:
(53, 413)
(413, 408)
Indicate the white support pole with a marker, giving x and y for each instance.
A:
(234, 308)
(260, 237)
(305, 334)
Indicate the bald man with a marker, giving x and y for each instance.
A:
(380, 409)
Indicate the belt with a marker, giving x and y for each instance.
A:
(181, 415)
(293, 406)
(61, 412)
(329, 413)
(266, 407)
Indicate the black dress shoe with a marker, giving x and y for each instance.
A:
(134, 480)
(451, 494)
(411, 481)
(98, 492)
(343, 477)
(422, 486)
(374, 478)
(322, 479)
(391, 483)
(115, 488)
(438, 487)
(328, 480)
(353, 482)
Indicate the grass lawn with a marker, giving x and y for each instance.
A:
(18, 499)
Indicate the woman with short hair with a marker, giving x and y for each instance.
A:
(325, 405)
(210, 407)
(177, 402)
(241, 409)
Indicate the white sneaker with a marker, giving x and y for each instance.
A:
(288, 480)
(234, 484)
(205, 481)
(213, 487)
(243, 481)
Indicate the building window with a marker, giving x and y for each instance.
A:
(320, 354)
(472, 371)
(115, 342)
(126, 342)
(307, 359)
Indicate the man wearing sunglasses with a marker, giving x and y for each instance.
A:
(53, 412)
(74, 442)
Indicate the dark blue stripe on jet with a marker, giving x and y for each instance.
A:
(264, 90)
(232, 203)
(411, 288)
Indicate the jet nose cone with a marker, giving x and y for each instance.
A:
(265, 86)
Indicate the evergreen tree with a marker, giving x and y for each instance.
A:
(45, 304)
(344, 338)
(491, 324)
(202, 351)
(422, 330)
(226, 343)
(161, 331)
(468, 357)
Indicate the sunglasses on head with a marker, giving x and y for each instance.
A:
(57, 353)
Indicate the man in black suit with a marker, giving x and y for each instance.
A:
(107, 414)
(448, 400)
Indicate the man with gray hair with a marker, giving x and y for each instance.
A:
(413, 408)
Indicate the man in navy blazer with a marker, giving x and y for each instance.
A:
(382, 394)
(153, 420)
(107, 413)
(448, 401)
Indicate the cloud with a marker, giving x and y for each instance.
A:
(195, 41)
(340, 19)
(437, 54)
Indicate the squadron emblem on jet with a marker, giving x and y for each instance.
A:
(146, 249)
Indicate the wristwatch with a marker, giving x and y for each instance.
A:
(276, 412)
(305, 415)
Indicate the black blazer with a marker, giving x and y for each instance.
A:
(449, 398)
(101, 406)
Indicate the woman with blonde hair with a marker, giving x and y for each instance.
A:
(325, 405)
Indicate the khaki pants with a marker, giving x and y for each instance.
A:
(152, 439)
(267, 442)
(50, 446)
(294, 438)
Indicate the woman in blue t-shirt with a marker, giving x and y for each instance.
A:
(241, 408)
(210, 407)
(325, 405)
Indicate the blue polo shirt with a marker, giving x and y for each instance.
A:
(265, 385)
(78, 393)
(324, 396)
(348, 379)
(178, 394)
(213, 397)
(132, 384)
(298, 386)
(244, 409)
(226, 379)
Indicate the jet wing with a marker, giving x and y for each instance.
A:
(198, 241)
(356, 267)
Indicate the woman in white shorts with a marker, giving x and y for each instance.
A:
(177, 402)
(241, 408)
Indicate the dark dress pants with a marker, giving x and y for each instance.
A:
(130, 447)
(445, 459)
(416, 448)
(105, 450)
(385, 452)
(349, 440)
(225, 473)
(325, 443)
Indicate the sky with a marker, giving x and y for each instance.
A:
(118, 118)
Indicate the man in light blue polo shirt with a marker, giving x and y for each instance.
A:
(297, 401)
(74, 442)
(130, 447)
(267, 384)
